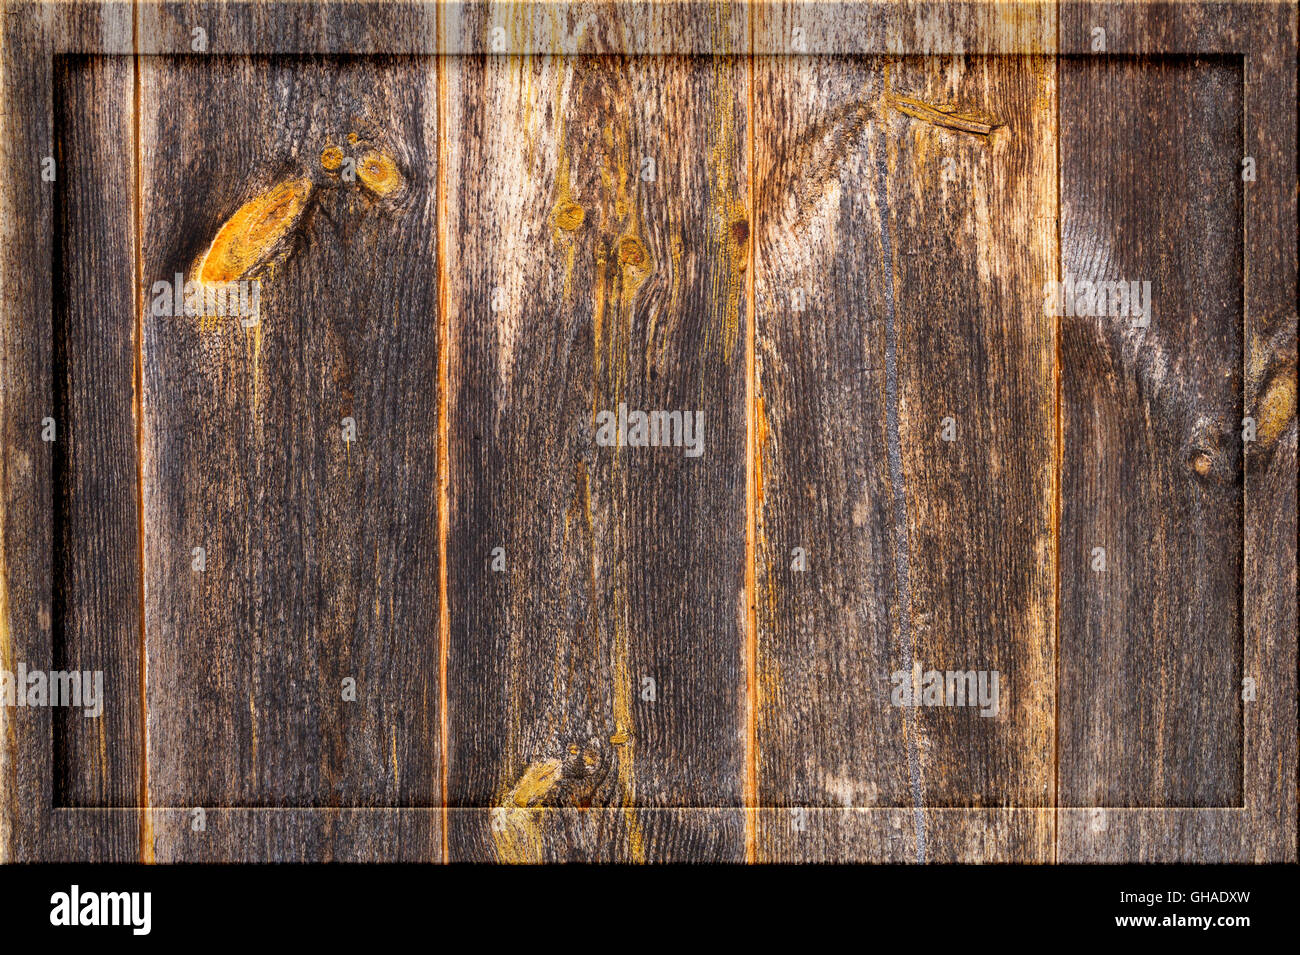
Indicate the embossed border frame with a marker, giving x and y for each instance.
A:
(1261, 32)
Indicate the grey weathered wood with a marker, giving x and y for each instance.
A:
(619, 563)
(1259, 775)
(919, 550)
(915, 28)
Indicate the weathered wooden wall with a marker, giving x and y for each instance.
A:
(564, 651)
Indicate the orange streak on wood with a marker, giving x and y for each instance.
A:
(750, 786)
(444, 621)
(146, 819)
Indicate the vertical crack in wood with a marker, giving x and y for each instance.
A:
(1244, 381)
(146, 819)
(444, 324)
(1058, 475)
(750, 787)
(901, 568)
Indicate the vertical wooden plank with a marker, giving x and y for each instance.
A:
(578, 285)
(976, 393)
(69, 595)
(1150, 677)
(96, 611)
(300, 453)
(826, 734)
(1263, 829)
(902, 226)
(26, 109)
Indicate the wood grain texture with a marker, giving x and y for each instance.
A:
(620, 564)
(826, 731)
(96, 610)
(27, 397)
(522, 277)
(905, 235)
(263, 27)
(1151, 647)
(322, 561)
(971, 253)
(1264, 828)
(582, 27)
(914, 28)
(76, 305)
(1270, 384)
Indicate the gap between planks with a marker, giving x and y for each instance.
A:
(749, 788)
(146, 819)
(444, 324)
(1058, 476)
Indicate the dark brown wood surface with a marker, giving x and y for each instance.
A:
(648, 677)
(96, 555)
(1227, 352)
(322, 562)
(1269, 581)
(69, 536)
(1151, 472)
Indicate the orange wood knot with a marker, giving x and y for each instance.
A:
(250, 236)
(331, 158)
(379, 173)
(1276, 407)
(631, 252)
(569, 216)
(947, 115)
